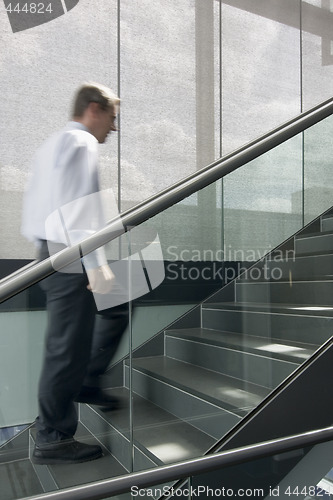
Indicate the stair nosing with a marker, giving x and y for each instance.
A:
(276, 308)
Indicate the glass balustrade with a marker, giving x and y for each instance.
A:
(199, 376)
(304, 473)
(222, 303)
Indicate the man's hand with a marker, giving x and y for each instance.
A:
(101, 279)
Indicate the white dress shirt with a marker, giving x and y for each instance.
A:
(62, 203)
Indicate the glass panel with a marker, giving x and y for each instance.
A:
(158, 86)
(260, 72)
(186, 369)
(263, 202)
(197, 377)
(31, 373)
(318, 162)
(211, 83)
(45, 63)
(185, 372)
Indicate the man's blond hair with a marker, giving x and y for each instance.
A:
(93, 92)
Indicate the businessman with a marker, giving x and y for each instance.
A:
(65, 174)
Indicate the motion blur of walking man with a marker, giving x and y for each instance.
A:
(65, 175)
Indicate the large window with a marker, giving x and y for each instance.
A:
(197, 79)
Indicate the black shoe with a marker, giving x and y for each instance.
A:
(65, 452)
(96, 396)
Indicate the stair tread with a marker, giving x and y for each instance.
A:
(315, 234)
(275, 348)
(314, 253)
(284, 259)
(296, 259)
(23, 480)
(315, 243)
(70, 475)
(292, 280)
(298, 268)
(229, 393)
(275, 308)
(165, 436)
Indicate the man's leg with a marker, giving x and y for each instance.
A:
(110, 325)
(71, 313)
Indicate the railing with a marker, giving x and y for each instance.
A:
(14, 284)
(165, 474)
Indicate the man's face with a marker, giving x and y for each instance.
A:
(106, 123)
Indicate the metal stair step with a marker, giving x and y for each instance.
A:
(295, 268)
(18, 480)
(296, 292)
(267, 308)
(254, 367)
(314, 243)
(296, 352)
(327, 222)
(154, 429)
(235, 395)
(290, 323)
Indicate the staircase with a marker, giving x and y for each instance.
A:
(194, 382)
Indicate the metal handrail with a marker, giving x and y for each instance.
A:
(10, 286)
(161, 475)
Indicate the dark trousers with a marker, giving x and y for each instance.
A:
(79, 346)
(109, 327)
